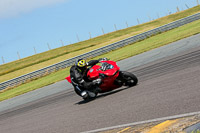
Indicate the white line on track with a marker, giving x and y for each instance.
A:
(143, 122)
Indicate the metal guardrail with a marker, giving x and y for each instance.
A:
(44, 71)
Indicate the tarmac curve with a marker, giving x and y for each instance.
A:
(167, 86)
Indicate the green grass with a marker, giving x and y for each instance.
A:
(119, 54)
(49, 79)
(196, 131)
(35, 62)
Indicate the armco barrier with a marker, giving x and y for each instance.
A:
(44, 71)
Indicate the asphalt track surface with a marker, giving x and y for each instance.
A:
(168, 86)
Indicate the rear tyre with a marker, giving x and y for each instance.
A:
(129, 79)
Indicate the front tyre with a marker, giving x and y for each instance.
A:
(129, 78)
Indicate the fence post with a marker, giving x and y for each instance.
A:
(187, 6)
(3, 60)
(34, 50)
(169, 12)
(138, 21)
(103, 30)
(48, 46)
(18, 55)
(77, 37)
(90, 35)
(62, 42)
(115, 27)
(178, 9)
(126, 24)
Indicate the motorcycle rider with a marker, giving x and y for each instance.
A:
(81, 83)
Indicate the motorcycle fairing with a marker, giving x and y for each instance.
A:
(111, 74)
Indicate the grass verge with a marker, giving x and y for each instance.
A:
(119, 54)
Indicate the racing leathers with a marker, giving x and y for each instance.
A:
(79, 78)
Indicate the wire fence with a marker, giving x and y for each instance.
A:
(47, 70)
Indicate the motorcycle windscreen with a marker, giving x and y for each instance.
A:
(111, 72)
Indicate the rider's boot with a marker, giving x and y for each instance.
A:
(84, 94)
(97, 89)
(87, 94)
(91, 94)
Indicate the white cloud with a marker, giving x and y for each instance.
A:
(10, 8)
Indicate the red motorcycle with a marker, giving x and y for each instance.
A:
(112, 78)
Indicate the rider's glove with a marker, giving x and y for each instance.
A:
(97, 81)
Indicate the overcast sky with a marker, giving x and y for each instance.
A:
(26, 25)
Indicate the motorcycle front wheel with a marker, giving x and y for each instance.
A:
(129, 79)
